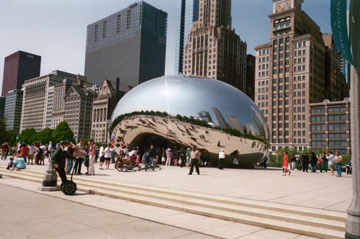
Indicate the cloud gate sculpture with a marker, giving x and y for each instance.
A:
(185, 111)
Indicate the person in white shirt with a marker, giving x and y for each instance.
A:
(330, 159)
(221, 159)
(31, 153)
(101, 155)
(108, 151)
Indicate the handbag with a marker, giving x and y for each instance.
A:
(179, 161)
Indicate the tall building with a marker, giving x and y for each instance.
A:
(18, 67)
(335, 80)
(129, 45)
(213, 49)
(330, 126)
(290, 74)
(103, 105)
(250, 76)
(187, 12)
(2, 107)
(38, 99)
(13, 109)
(78, 105)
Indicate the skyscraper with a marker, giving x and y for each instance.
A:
(18, 67)
(129, 45)
(213, 49)
(13, 108)
(291, 73)
(187, 12)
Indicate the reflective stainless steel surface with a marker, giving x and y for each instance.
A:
(225, 116)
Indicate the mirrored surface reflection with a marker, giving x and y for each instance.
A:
(186, 111)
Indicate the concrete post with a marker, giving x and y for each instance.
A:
(50, 179)
(352, 222)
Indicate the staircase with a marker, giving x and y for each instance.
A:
(304, 221)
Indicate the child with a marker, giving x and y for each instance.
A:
(11, 163)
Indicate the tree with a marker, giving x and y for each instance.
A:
(45, 135)
(63, 132)
(3, 133)
(26, 134)
(11, 137)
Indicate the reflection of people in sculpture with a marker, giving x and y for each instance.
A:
(195, 156)
(234, 156)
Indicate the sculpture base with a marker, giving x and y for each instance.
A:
(349, 236)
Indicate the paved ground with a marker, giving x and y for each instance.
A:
(308, 190)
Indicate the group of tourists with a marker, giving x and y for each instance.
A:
(26, 153)
(314, 162)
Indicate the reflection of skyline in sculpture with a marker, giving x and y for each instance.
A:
(220, 118)
(235, 123)
(205, 116)
(264, 128)
(187, 110)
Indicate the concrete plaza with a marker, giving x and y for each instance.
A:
(305, 191)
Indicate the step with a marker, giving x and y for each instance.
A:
(330, 224)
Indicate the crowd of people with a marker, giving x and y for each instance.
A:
(152, 156)
(322, 162)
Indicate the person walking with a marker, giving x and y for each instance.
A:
(221, 159)
(293, 162)
(330, 159)
(79, 153)
(70, 162)
(324, 161)
(168, 157)
(4, 150)
(58, 160)
(305, 162)
(107, 155)
(298, 161)
(152, 155)
(102, 156)
(92, 154)
(338, 163)
(285, 164)
(195, 156)
(313, 162)
(348, 167)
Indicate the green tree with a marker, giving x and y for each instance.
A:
(63, 132)
(26, 134)
(11, 137)
(3, 133)
(45, 135)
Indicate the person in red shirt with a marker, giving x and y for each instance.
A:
(4, 150)
(24, 151)
(285, 164)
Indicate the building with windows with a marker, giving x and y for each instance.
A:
(78, 109)
(18, 67)
(2, 107)
(129, 45)
(38, 99)
(336, 84)
(330, 126)
(187, 12)
(250, 76)
(13, 106)
(213, 49)
(291, 73)
(103, 106)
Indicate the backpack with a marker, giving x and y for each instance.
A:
(40, 151)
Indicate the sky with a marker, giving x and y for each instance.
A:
(56, 29)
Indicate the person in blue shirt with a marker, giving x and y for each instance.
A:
(19, 164)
